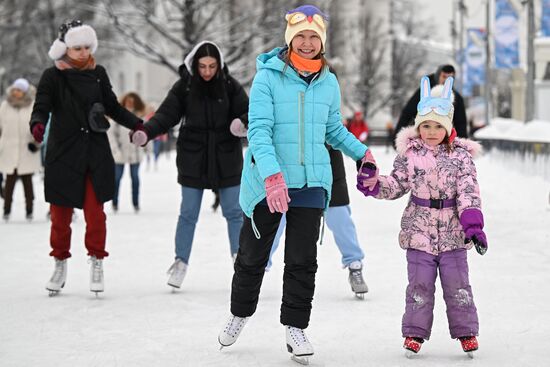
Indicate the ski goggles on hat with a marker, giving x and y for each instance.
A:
(300, 17)
(441, 106)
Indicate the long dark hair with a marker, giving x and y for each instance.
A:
(215, 87)
(207, 49)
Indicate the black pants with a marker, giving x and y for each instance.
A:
(27, 189)
(302, 233)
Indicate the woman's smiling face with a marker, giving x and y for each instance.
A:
(307, 44)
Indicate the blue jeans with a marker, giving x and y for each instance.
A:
(157, 145)
(189, 214)
(134, 173)
(338, 220)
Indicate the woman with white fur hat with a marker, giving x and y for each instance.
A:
(18, 153)
(79, 166)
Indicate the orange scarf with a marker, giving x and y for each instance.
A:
(67, 63)
(308, 65)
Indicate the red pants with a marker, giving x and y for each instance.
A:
(96, 230)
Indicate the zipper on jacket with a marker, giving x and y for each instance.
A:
(301, 127)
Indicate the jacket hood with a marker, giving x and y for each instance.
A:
(271, 60)
(408, 138)
(188, 61)
(28, 98)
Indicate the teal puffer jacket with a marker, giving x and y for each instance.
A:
(289, 123)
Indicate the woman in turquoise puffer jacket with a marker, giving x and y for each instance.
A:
(294, 110)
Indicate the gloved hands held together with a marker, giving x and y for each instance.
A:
(367, 177)
(139, 135)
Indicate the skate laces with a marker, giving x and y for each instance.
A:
(357, 276)
(234, 325)
(298, 335)
(97, 270)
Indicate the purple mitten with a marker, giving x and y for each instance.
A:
(368, 175)
(367, 179)
(368, 192)
(472, 223)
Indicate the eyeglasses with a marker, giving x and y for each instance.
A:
(299, 17)
(63, 28)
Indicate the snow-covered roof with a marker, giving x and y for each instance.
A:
(514, 130)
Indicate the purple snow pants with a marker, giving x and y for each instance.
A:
(419, 298)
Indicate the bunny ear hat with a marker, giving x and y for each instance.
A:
(436, 104)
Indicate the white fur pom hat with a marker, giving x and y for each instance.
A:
(73, 34)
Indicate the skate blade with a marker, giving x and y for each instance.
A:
(54, 292)
(360, 296)
(470, 354)
(304, 360)
(97, 292)
(223, 345)
(409, 354)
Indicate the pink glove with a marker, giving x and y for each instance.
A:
(38, 132)
(237, 128)
(368, 177)
(277, 193)
(139, 136)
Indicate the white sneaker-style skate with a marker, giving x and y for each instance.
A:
(96, 275)
(298, 345)
(231, 330)
(57, 281)
(177, 273)
(358, 285)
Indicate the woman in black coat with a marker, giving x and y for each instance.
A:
(79, 166)
(209, 155)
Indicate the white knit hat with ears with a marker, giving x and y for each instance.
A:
(434, 99)
(79, 35)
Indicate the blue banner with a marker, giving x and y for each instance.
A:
(545, 21)
(474, 60)
(506, 36)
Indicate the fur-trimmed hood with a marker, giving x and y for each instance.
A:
(28, 97)
(408, 138)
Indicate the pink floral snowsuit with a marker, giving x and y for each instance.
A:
(434, 238)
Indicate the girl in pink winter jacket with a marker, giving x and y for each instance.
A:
(442, 220)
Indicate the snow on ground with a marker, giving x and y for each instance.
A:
(139, 322)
